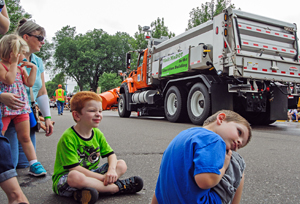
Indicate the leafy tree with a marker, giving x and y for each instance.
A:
(140, 43)
(86, 57)
(159, 29)
(86, 87)
(109, 81)
(206, 12)
(15, 13)
(76, 89)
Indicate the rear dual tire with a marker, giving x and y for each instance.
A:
(198, 104)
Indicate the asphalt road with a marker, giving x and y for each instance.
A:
(272, 159)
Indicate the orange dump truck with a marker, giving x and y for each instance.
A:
(237, 61)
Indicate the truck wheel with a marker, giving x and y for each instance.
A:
(175, 104)
(198, 104)
(122, 110)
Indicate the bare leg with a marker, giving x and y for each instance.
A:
(13, 191)
(238, 194)
(121, 167)
(23, 134)
(78, 180)
(154, 200)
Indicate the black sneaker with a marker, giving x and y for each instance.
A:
(131, 185)
(86, 196)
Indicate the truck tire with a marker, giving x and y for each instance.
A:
(122, 110)
(198, 104)
(175, 104)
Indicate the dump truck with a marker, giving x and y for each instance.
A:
(238, 61)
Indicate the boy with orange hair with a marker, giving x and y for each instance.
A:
(76, 171)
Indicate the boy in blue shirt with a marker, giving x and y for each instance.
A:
(76, 171)
(193, 165)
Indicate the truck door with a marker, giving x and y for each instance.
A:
(140, 77)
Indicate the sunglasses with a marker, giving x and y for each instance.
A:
(39, 37)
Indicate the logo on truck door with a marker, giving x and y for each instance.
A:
(175, 63)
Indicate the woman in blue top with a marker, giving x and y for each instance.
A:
(33, 34)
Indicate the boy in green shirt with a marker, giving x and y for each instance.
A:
(76, 171)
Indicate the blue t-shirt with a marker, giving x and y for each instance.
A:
(191, 152)
(38, 81)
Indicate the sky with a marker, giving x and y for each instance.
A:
(125, 15)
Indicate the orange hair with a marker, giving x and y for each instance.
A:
(79, 99)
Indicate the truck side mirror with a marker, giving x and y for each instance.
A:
(128, 58)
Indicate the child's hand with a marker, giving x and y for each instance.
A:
(111, 177)
(28, 65)
(14, 59)
(227, 159)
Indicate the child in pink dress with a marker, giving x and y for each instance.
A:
(12, 80)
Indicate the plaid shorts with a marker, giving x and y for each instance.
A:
(65, 190)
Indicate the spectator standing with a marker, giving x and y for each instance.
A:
(13, 79)
(33, 34)
(61, 97)
(8, 180)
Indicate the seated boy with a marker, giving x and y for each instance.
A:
(76, 171)
(193, 165)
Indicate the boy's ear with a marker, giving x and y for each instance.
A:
(75, 115)
(220, 118)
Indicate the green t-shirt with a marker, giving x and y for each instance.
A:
(73, 150)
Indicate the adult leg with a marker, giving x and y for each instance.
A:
(13, 191)
(11, 135)
(58, 107)
(62, 108)
(8, 180)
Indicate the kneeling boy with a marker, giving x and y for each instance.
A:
(193, 165)
(76, 171)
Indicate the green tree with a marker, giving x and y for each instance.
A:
(15, 13)
(109, 81)
(86, 57)
(139, 42)
(206, 12)
(159, 29)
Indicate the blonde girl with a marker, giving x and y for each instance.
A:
(12, 80)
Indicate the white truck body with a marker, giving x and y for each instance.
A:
(239, 61)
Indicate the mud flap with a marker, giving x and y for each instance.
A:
(279, 104)
(220, 97)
